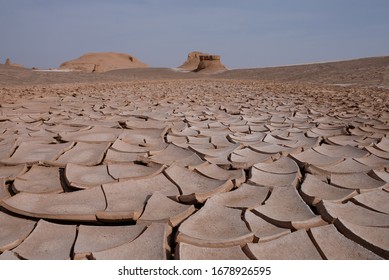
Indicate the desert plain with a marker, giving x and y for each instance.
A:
(157, 163)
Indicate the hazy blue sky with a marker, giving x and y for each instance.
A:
(246, 33)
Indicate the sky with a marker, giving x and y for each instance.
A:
(246, 33)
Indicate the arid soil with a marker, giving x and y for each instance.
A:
(280, 163)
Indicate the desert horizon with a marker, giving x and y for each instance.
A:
(369, 71)
(10, 61)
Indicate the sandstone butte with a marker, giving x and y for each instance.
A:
(192, 61)
(203, 62)
(102, 62)
(9, 63)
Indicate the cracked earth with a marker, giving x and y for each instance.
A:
(194, 169)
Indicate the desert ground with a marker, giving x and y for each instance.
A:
(159, 163)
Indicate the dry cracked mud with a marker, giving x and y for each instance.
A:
(194, 169)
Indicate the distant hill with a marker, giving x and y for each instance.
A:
(372, 71)
(102, 62)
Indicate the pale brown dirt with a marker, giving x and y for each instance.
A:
(237, 114)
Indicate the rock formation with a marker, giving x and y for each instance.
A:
(206, 63)
(210, 64)
(192, 61)
(102, 62)
(9, 63)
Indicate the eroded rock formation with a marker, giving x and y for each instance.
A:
(210, 64)
(192, 61)
(102, 62)
(204, 62)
